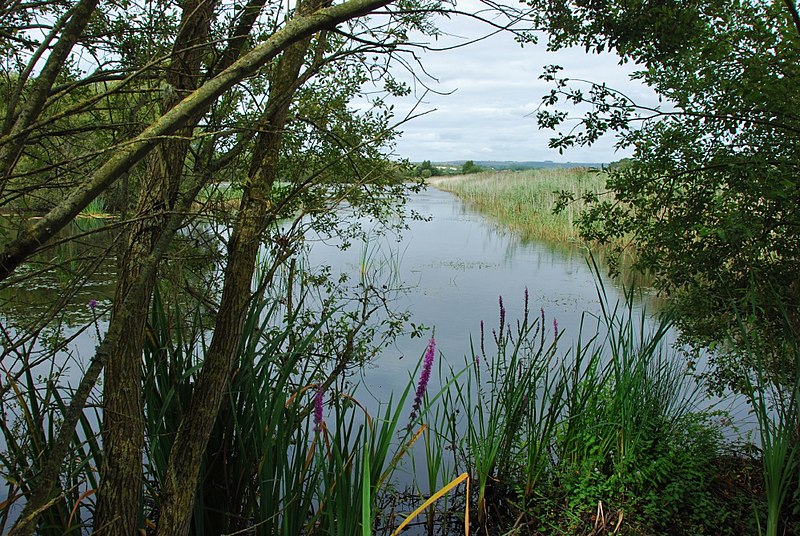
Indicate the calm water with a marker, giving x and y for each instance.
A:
(456, 266)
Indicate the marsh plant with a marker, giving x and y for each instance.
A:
(531, 433)
(600, 435)
(291, 450)
(524, 201)
(771, 384)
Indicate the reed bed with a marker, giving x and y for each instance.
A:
(524, 201)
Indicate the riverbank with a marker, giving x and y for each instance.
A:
(523, 201)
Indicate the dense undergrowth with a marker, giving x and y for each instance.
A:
(599, 436)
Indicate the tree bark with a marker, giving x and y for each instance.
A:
(46, 480)
(118, 499)
(254, 214)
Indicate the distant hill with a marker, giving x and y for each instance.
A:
(508, 164)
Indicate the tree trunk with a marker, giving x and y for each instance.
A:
(252, 219)
(46, 480)
(119, 496)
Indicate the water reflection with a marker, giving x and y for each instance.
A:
(456, 266)
(60, 281)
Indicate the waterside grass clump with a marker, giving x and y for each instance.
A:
(600, 437)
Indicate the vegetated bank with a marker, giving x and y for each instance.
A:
(523, 201)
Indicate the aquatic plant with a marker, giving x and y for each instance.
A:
(424, 378)
(524, 201)
(775, 401)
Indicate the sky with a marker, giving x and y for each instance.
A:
(495, 91)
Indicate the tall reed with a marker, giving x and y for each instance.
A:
(32, 408)
(524, 201)
(272, 464)
(506, 399)
(553, 435)
(771, 383)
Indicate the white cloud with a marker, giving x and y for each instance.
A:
(495, 92)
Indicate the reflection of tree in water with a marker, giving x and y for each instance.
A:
(81, 265)
(78, 267)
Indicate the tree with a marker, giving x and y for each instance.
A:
(147, 105)
(470, 167)
(426, 170)
(710, 199)
(181, 155)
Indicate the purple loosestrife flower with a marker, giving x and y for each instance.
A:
(502, 315)
(542, 326)
(319, 399)
(424, 378)
(483, 351)
(525, 310)
(93, 307)
(555, 329)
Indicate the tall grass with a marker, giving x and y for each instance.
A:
(772, 386)
(269, 467)
(524, 201)
(506, 399)
(601, 435)
(95, 209)
(32, 408)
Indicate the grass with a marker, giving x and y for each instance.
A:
(524, 201)
(593, 438)
(95, 209)
(775, 401)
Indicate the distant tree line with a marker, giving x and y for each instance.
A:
(426, 169)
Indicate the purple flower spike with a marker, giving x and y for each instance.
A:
(483, 351)
(555, 329)
(424, 378)
(319, 399)
(93, 304)
(525, 309)
(541, 341)
(502, 314)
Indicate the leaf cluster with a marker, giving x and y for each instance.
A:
(710, 199)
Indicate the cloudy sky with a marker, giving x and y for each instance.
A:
(495, 91)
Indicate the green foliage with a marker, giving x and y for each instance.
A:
(426, 170)
(267, 464)
(547, 432)
(710, 198)
(32, 406)
(603, 434)
(775, 401)
(470, 167)
(511, 403)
